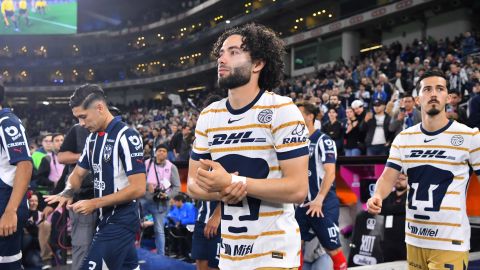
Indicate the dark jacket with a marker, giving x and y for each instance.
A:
(396, 126)
(369, 129)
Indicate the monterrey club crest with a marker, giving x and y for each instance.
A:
(265, 116)
(107, 152)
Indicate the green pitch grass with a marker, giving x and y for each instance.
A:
(59, 18)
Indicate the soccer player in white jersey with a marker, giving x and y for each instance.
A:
(251, 153)
(435, 155)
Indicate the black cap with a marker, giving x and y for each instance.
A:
(378, 102)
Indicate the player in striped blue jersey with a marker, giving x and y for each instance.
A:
(435, 155)
(256, 134)
(113, 154)
(15, 173)
(206, 236)
(320, 210)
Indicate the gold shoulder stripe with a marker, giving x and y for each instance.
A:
(410, 133)
(268, 126)
(432, 161)
(433, 238)
(272, 106)
(434, 146)
(200, 148)
(251, 237)
(393, 158)
(395, 146)
(290, 145)
(458, 178)
(241, 148)
(475, 164)
(250, 256)
(446, 208)
(287, 124)
(200, 133)
(459, 132)
(453, 193)
(434, 223)
(476, 133)
(270, 214)
(214, 111)
(475, 150)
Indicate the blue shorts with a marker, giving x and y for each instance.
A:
(326, 228)
(9, 13)
(203, 248)
(114, 245)
(10, 246)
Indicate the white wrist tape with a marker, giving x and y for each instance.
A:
(236, 178)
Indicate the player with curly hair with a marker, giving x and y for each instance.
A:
(251, 152)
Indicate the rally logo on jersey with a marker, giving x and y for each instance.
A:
(457, 140)
(107, 152)
(265, 116)
(12, 131)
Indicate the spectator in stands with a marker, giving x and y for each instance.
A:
(362, 94)
(182, 214)
(474, 107)
(186, 145)
(377, 138)
(468, 44)
(334, 102)
(163, 183)
(352, 135)
(457, 78)
(334, 129)
(41, 152)
(453, 110)
(30, 246)
(393, 208)
(176, 141)
(400, 83)
(379, 93)
(407, 115)
(51, 169)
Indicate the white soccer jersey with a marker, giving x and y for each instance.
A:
(251, 141)
(437, 167)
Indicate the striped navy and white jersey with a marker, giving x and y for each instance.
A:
(14, 148)
(322, 150)
(438, 173)
(252, 141)
(111, 157)
(205, 211)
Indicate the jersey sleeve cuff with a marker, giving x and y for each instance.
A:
(16, 160)
(293, 153)
(197, 157)
(83, 166)
(477, 172)
(394, 166)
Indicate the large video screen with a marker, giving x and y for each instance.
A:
(38, 17)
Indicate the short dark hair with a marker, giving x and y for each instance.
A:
(56, 135)
(161, 146)
(86, 94)
(263, 44)
(409, 96)
(431, 73)
(309, 109)
(179, 198)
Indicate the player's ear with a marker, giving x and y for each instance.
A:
(417, 101)
(258, 66)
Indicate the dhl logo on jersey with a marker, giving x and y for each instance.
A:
(430, 153)
(234, 138)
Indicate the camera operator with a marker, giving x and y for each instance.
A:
(163, 183)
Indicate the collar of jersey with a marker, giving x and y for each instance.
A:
(246, 108)
(110, 126)
(433, 133)
(5, 110)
